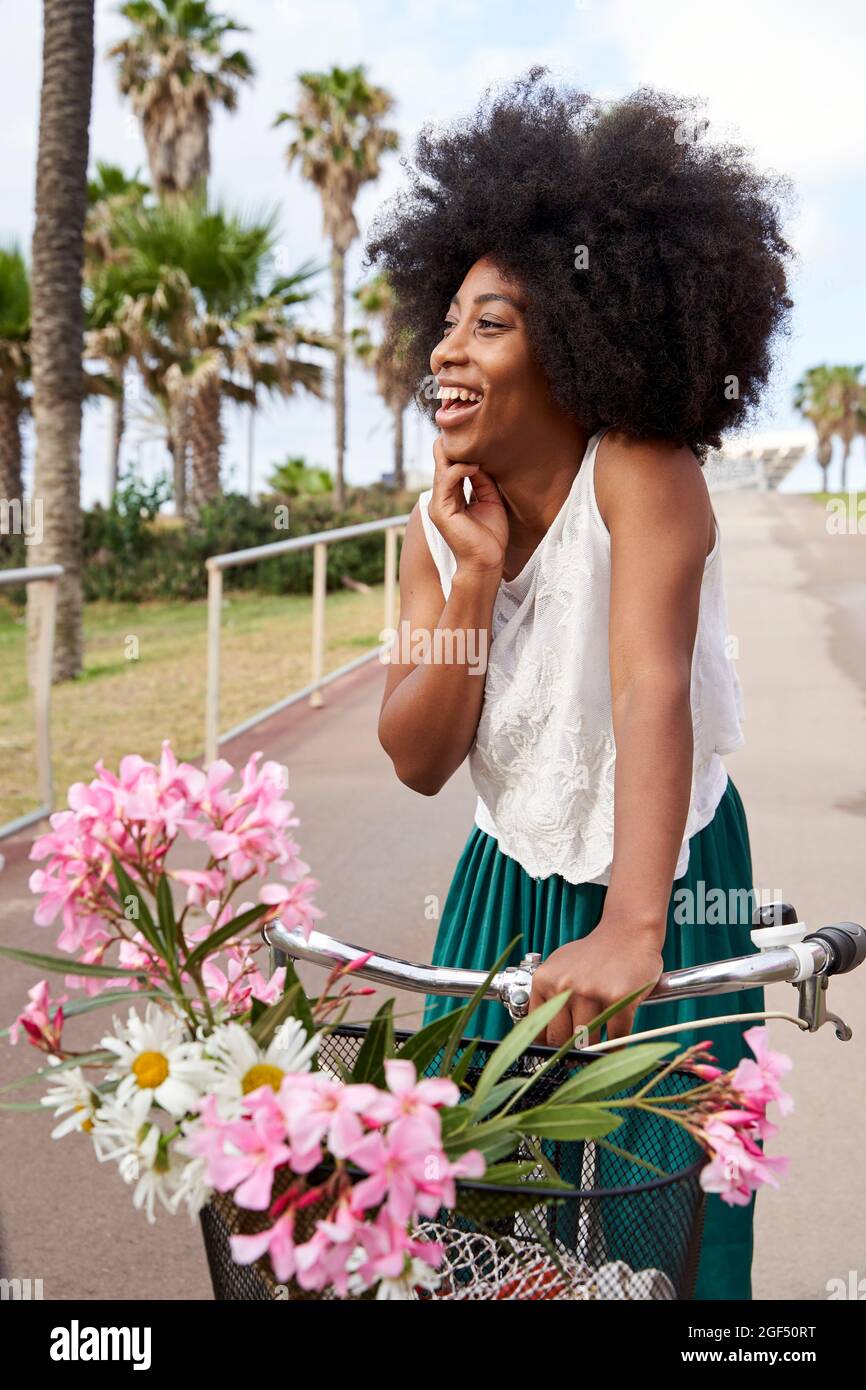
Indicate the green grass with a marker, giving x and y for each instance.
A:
(120, 705)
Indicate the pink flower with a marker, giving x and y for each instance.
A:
(278, 1241)
(35, 1019)
(295, 906)
(758, 1081)
(739, 1166)
(410, 1097)
(408, 1171)
(316, 1109)
(387, 1246)
(256, 1148)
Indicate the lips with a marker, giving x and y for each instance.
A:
(459, 402)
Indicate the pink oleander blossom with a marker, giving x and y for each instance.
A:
(758, 1081)
(36, 1021)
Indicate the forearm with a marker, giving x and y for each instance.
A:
(428, 723)
(652, 794)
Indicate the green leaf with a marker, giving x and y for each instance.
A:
(614, 1073)
(218, 938)
(458, 1075)
(263, 1031)
(501, 1092)
(69, 966)
(104, 1001)
(423, 1046)
(580, 1121)
(462, 1016)
(46, 1072)
(521, 1036)
(377, 1045)
(144, 921)
(165, 912)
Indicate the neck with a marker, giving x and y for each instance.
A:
(535, 488)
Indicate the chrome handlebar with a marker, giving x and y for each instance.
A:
(805, 961)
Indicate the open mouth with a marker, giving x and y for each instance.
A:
(458, 403)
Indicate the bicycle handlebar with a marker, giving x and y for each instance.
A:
(832, 950)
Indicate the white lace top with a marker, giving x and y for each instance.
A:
(544, 753)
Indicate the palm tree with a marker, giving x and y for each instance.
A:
(175, 71)
(847, 396)
(109, 194)
(386, 360)
(200, 325)
(338, 142)
(834, 399)
(14, 365)
(58, 314)
(812, 399)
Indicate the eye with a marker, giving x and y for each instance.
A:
(490, 323)
(447, 326)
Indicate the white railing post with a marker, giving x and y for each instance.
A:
(320, 575)
(390, 578)
(318, 542)
(41, 675)
(212, 697)
(42, 693)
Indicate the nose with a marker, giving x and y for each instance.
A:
(450, 350)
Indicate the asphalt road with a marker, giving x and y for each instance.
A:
(384, 857)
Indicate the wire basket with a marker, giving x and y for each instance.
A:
(621, 1230)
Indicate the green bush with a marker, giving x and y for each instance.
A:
(132, 554)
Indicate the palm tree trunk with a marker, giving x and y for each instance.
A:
(846, 449)
(399, 467)
(338, 278)
(116, 426)
(56, 340)
(206, 437)
(10, 443)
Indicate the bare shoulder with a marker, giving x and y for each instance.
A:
(653, 483)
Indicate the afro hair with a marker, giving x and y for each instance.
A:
(652, 261)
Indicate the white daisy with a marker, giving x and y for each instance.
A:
(239, 1065)
(140, 1157)
(416, 1275)
(156, 1062)
(70, 1094)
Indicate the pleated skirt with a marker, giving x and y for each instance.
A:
(492, 900)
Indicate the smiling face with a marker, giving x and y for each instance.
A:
(494, 398)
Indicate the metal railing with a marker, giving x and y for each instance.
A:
(393, 526)
(47, 575)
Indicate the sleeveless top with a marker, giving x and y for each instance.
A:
(543, 757)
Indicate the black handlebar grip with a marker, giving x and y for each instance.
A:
(775, 915)
(847, 943)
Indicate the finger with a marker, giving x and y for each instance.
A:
(484, 489)
(560, 1029)
(622, 1023)
(583, 1011)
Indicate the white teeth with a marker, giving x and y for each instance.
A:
(455, 393)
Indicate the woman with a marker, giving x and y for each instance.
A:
(595, 292)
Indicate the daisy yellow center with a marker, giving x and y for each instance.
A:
(261, 1075)
(88, 1123)
(150, 1069)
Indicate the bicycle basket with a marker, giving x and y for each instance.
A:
(622, 1229)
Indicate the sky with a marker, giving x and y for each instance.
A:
(783, 76)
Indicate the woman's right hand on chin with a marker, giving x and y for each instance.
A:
(476, 531)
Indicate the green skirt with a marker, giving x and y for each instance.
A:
(492, 899)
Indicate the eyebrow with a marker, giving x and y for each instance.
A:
(487, 298)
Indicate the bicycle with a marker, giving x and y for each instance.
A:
(640, 1240)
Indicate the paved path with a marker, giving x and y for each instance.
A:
(385, 855)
